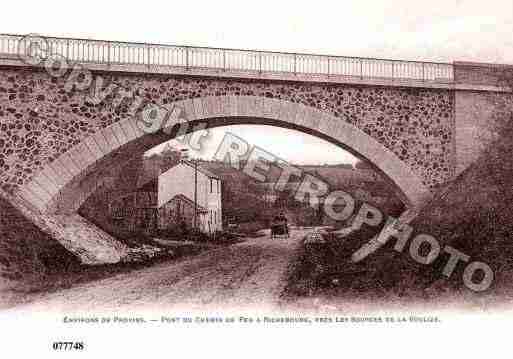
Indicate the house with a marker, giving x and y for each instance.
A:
(135, 212)
(182, 180)
(168, 201)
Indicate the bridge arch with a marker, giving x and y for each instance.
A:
(62, 185)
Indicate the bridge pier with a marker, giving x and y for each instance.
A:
(87, 242)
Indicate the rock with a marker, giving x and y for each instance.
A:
(146, 252)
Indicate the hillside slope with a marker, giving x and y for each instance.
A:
(473, 214)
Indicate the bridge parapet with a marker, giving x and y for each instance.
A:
(475, 73)
(158, 58)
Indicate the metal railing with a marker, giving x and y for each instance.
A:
(187, 57)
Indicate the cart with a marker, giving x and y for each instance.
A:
(279, 229)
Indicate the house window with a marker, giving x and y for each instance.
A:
(211, 183)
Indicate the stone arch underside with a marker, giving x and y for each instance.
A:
(62, 185)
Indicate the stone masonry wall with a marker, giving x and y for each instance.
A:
(39, 119)
(481, 74)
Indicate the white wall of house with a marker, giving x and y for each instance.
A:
(213, 195)
(180, 180)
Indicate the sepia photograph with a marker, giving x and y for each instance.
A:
(250, 179)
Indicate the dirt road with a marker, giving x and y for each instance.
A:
(248, 275)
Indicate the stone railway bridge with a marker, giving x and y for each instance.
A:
(420, 124)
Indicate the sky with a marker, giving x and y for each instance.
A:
(290, 145)
(436, 30)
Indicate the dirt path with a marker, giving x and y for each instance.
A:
(246, 275)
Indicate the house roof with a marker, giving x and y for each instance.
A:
(184, 198)
(201, 169)
(148, 177)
